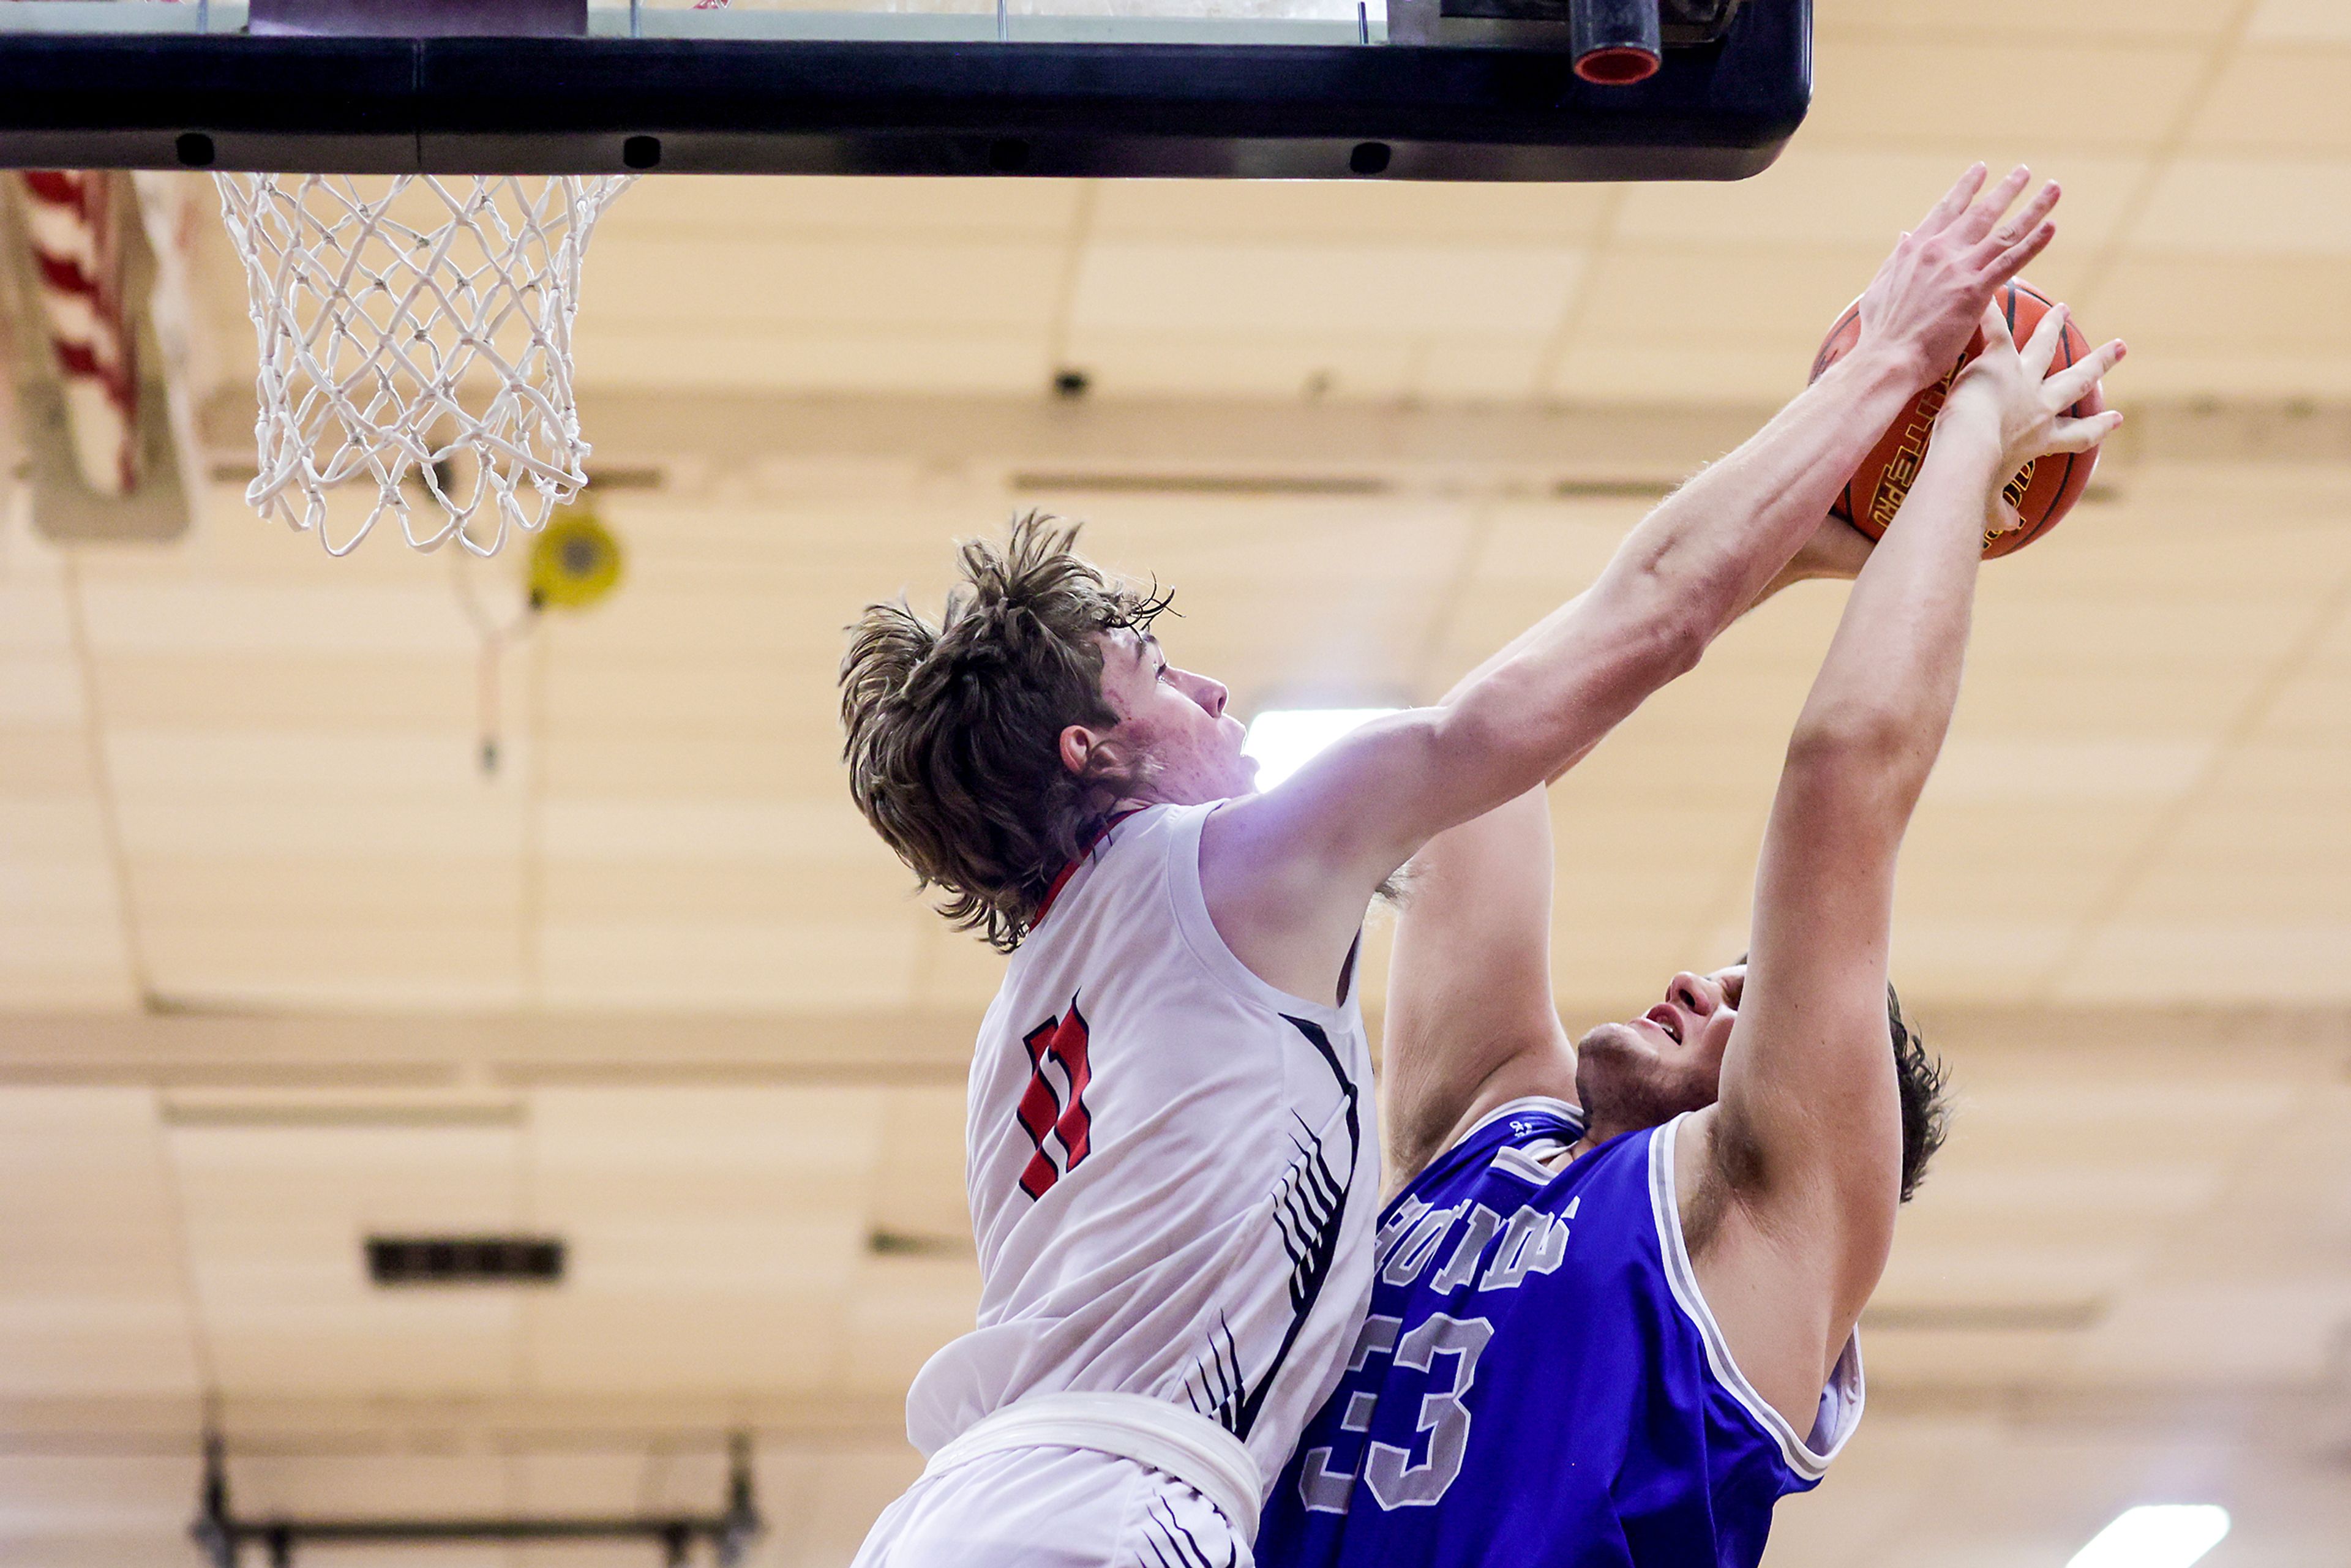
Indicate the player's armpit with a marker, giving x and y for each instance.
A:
(1287, 874)
(1470, 1020)
(1821, 1180)
(1769, 1283)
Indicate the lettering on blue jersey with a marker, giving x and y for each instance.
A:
(1606, 1425)
(1378, 1338)
(1463, 1265)
(1411, 1254)
(1411, 1237)
(1536, 1243)
(1397, 1225)
(1533, 1242)
(1388, 1469)
(1395, 1481)
(1324, 1489)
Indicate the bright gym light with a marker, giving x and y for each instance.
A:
(2156, 1535)
(1284, 739)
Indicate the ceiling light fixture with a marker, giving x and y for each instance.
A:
(1284, 739)
(2155, 1535)
(399, 1260)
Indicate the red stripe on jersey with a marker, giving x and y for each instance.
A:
(1061, 878)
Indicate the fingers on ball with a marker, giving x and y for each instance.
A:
(2039, 207)
(2074, 384)
(1994, 324)
(2081, 434)
(1983, 215)
(2040, 347)
(2007, 262)
(1955, 200)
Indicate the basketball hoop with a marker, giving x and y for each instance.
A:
(415, 333)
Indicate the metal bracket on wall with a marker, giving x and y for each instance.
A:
(1412, 22)
(222, 1535)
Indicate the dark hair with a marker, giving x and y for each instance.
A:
(1926, 1097)
(953, 730)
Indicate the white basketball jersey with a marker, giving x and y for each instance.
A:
(1173, 1167)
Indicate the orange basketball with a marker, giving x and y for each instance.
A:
(2043, 490)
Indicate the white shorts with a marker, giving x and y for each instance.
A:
(1053, 1508)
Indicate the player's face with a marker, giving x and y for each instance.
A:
(1647, 1069)
(1177, 720)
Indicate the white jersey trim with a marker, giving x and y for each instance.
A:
(1840, 1400)
(1526, 1165)
(1200, 935)
(1151, 1432)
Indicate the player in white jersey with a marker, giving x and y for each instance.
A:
(1252, 1174)
(1172, 1164)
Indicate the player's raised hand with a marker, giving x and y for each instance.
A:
(2018, 394)
(2013, 395)
(1925, 300)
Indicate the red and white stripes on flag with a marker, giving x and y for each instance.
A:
(75, 220)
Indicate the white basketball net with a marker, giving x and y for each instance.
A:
(416, 334)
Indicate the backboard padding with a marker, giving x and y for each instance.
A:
(779, 98)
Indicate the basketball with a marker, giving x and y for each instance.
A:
(2042, 491)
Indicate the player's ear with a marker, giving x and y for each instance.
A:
(1078, 747)
(1095, 754)
(1104, 760)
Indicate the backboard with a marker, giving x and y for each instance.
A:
(1448, 89)
(411, 184)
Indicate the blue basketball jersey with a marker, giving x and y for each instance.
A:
(1539, 1382)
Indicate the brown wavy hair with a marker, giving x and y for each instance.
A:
(953, 729)
(1925, 1092)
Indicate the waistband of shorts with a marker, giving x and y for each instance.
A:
(1181, 1443)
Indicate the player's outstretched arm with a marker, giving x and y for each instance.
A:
(1471, 1019)
(1472, 1023)
(1790, 1186)
(1287, 873)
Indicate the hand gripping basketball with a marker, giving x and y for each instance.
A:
(2029, 405)
(2041, 493)
(1927, 295)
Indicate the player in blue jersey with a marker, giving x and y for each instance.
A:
(1613, 1321)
